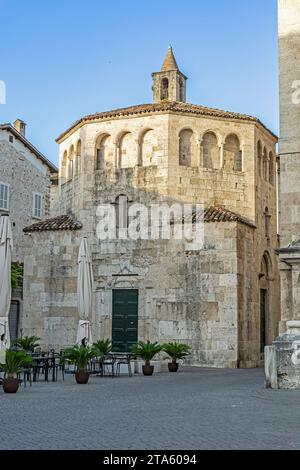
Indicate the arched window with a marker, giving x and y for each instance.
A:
(102, 147)
(211, 151)
(232, 153)
(259, 157)
(127, 151)
(266, 268)
(148, 146)
(271, 168)
(164, 89)
(78, 158)
(265, 164)
(63, 167)
(185, 147)
(121, 204)
(71, 162)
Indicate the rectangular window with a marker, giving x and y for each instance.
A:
(4, 196)
(37, 205)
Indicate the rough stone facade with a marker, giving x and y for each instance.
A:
(191, 297)
(282, 364)
(289, 56)
(208, 298)
(26, 173)
(24, 179)
(289, 221)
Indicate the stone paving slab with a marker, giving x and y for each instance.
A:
(194, 409)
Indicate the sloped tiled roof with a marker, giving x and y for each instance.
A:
(169, 62)
(220, 214)
(66, 222)
(62, 222)
(161, 107)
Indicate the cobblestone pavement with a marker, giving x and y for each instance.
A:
(194, 409)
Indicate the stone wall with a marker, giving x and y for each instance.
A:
(209, 299)
(289, 146)
(24, 179)
(239, 191)
(289, 149)
(176, 89)
(250, 280)
(54, 194)
(50, 287)
(203, 298)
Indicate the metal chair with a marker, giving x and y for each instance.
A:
(27, 376)
(108, 361)
(124, 359)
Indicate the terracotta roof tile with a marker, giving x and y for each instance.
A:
(62, 222)
(174, 107)
(66, 222)
(220, 214)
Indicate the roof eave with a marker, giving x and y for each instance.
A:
(110, 115)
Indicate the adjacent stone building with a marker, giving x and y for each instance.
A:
(282, 364)
(289, 149)
(25, 186)
(222, 299)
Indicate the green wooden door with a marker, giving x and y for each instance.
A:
(124, 319)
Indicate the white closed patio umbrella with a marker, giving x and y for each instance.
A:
(85, 285)
(6, 245)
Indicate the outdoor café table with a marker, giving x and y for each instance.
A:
(47, 362)
(116, 359)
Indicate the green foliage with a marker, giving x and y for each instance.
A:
(27, 343)
(16, 274)
(146, 351)
(15, 361)
(176, 350)
(103, 347)
(79, 355)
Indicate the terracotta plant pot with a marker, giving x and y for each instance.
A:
(82, 377)
(173, 366)
(148, 370)
(11, 385)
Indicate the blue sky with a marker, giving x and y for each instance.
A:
(62, 59)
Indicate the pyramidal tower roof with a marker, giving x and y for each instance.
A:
(169, 62)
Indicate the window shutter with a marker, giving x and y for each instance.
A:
(4, 196)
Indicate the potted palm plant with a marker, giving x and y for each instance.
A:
(15, 362)
(80, 356)
(146, 351)
(176, 351)
(27, 343)
(103, 347)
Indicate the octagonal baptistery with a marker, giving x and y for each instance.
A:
(218, 299)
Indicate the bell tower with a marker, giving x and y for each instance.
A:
(169, 84)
